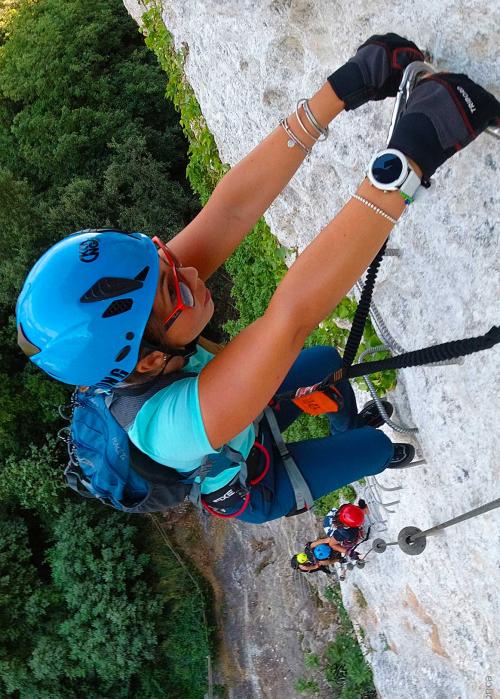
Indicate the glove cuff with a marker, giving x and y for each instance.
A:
(349, 86)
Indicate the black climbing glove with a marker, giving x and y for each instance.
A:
(362, 504)
(444, 113)
(375, 71)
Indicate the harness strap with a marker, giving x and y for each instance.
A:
(303, 495)
(198, 477)
(77, 483)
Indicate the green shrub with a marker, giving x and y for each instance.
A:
(345, 667)
(36, 480)
(312, 660)
(306, 686)
(86, 612)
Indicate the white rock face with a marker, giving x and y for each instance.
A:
(431, 622)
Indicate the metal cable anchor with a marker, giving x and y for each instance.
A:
(412, 540)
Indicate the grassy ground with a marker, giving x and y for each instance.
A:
(341, 663)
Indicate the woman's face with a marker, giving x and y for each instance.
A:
(190, 321)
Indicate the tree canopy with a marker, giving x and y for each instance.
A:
(87, 139)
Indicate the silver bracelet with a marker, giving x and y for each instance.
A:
(303, 126)
(323, 131)
(293, 139)
(375, 208)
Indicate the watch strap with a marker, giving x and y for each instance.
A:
(410, 186)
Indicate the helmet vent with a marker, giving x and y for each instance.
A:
(108, 287)
(142, 274)
(123, 353)
(117, 307)
(27, 347)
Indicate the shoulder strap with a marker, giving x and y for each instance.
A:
(124, 403)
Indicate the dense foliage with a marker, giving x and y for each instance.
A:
(90, 604)
(93, 618)
(86, 139)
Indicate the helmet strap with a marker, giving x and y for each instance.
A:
(170, 352)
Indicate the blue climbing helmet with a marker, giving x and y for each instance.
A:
(85, 304)
(322, 552)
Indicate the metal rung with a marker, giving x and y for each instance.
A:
(393, 252)
(383, 487)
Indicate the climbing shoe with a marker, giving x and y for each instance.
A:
(371, 416)
(403, 455)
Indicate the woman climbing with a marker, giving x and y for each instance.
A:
(124, 312)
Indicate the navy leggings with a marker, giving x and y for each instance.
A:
(350, 452)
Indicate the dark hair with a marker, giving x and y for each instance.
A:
(294, 562)
(151, 341)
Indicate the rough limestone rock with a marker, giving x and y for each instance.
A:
(430, 622)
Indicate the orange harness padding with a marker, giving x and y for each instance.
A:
(318, 399)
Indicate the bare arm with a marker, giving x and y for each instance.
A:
(324, 540)
(336, 546)
(332, 543)
(238, 384)
(244, 194)
(308, 568)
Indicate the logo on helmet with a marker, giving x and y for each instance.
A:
(115, 376)
(89, 250)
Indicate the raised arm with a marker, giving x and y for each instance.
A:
(247, 373)
(444, 114)
(247, 190)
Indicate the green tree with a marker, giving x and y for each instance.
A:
(35, 481)
(86, 140)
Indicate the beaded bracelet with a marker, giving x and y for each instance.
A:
(375, 208)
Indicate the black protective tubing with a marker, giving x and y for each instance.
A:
(420, 357)
(359, 321)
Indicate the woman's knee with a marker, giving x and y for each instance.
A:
(377, 449)
(322, 360)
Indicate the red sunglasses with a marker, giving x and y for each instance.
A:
(184, 295)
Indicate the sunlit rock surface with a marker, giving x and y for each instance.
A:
(430, 622)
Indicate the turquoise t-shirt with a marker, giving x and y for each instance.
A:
(169, 428)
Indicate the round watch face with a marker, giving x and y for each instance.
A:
(387, 168)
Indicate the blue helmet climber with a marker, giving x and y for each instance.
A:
(318, 556)
(113, 309)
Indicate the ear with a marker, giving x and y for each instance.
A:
(151, 362)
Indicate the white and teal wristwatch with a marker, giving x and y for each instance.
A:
(390, 171)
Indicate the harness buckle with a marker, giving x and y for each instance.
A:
(319, 399)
